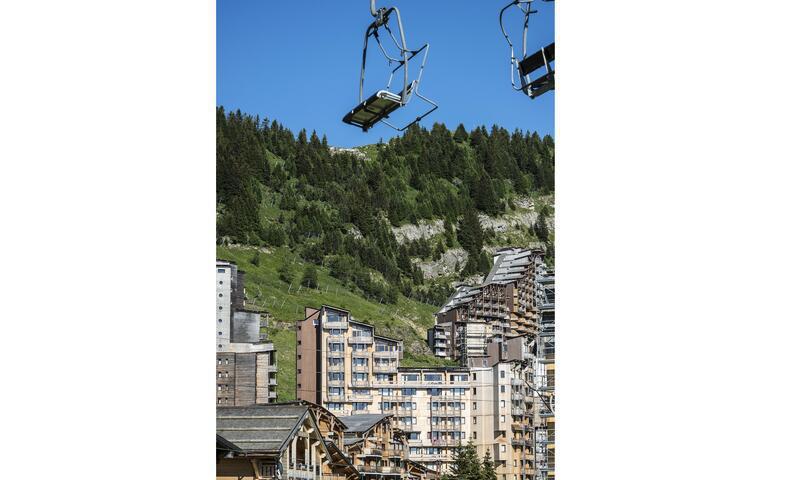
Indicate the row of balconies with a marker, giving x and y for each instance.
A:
(360, 339)
(445, 442)
(380, 469)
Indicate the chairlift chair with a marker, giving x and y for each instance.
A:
(522, 70)
(381, 104)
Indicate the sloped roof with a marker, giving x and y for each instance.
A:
(363, 422)
(509, 265)
(260, 428)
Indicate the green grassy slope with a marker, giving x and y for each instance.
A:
(407, 320)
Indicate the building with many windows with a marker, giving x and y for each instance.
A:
(502, 306)
(341, 362)
(246, 368)
(501, 397)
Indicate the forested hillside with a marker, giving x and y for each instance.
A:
(337, 212)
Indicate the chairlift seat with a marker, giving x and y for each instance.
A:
(535, 61)
(376, 108)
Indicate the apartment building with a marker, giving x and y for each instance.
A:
(246, 368)
(438, 408)
(502, 306)
(546, 375)
(432, 405)
(341, 362)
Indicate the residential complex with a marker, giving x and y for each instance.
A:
(246, 368)
(502, 306)
(340, 361)
(369, 417)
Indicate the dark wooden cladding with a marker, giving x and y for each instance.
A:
(245, 379)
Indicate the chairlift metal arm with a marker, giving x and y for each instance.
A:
(525, 6)
(381, 20)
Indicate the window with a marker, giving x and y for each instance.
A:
(475, 435)
(360, 406)
(502, 419)
(474, 376)
(474, 420)
(411, 377)
(502, 404)
(299, 356)
(409, 391)
(474, 391)
(502, 374)
(220, 333)
(220, 295)
(433, 377)
(299, 371)
(220, 282)
(502, 389)
(220, 270)
(502, 448)
(220, 320)
(474, 405)
(220, 307)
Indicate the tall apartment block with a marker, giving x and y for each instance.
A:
(341, 361)
(246, 368)
(546, 375)
(502, 306)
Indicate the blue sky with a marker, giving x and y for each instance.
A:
(299, 62)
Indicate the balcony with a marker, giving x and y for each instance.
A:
(360, 398)
(338, 367)
(359, 383)
(517, 396)
(371, 452)
(380, 470)
(273, 381)
(339, 382)
(335, 398)
(430, 457)
(445, 442)
(517, 382)
(361, 368)
(517, 411)
(336, 338)
(385, 354)
(272, 368)
(439, 335)
(335, 354)
(360, 339)
(336, 324)
(299, 473)
(272, 394)
(378, 368)
(520, 426)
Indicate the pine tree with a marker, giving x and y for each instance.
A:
(470, 233)
(487, 468)
(461, 134)
(285, 270)
(309, 277)
(466, 464)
